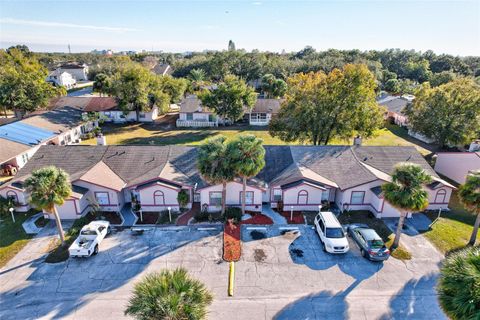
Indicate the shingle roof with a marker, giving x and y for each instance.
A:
(341, 166)
(396, 104)
(267, 106)
(162, 69)
(101, 104)
(10, 149)
(192, 104)
(57, 120)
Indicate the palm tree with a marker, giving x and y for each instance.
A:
(48, 187)
(458, 284)
(405, 192)
(469, 194)
(248, 159)
(169, 295)
(197, 75)
(215, 165)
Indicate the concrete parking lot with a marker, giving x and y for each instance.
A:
(282, 274)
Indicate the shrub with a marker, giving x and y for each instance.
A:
(182, 198)
(458, 289)
(202, 216)
(233, 213)
(169, 295)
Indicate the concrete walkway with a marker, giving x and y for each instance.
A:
(275, 216)
(129, 218)
(29, 225)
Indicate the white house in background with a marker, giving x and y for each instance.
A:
(108, 108)
(263, 111)
(61, 79)
(395, 106)
(162, 69)
(298, 177)
(78, 71)
(193, 114)
(456, 165)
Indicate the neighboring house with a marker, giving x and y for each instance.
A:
(61, 79)
(162, 69)
(193, 114)
(20, 140)
(78, 71)
(457, 165)
(300, 177)
(263, 111)
(395, 106)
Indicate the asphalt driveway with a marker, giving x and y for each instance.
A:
(282, 274)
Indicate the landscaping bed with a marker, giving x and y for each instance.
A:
(258, 218)
(41, 222)
(379, 226)
(232, 247)
(157, 218)
(112, 217)
(297, 217)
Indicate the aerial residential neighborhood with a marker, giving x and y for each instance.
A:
(239, 160)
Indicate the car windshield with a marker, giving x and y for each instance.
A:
(376, 244)
(334, 233)
(89, 232)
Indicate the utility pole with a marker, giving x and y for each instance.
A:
(69, 50)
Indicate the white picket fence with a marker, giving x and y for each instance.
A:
(195, 123)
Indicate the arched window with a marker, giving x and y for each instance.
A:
(302, 197)
(158, 198)
(12, 195)
(440, 196)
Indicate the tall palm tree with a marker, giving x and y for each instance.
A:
(248, 159)
(405, 192)
(458, 284)
(48, 187)
(469, 194)
(215, 164)
(172, 295)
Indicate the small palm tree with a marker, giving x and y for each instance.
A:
(215, 164)
(48, 187)
(469, 194)
(172, 295)
(248, 159)
(406, 192)
(458, 285)
(197, 75)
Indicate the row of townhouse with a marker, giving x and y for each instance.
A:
(194, 114)
(301, 177)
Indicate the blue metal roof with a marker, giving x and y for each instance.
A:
(24, 133)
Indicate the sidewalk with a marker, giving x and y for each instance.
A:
(275, 216)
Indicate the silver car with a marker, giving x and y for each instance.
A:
(371, 245)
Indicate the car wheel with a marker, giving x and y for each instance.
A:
(364, 254)
(109, 230)
(323, 247)
(95, 251)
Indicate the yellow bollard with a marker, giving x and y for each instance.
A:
(231, 278)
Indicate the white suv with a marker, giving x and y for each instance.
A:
(331, 233)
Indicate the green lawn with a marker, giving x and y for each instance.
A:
(143, 134)
(12, 236)
(452, 231)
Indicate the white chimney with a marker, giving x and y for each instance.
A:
(357, 141)
(101, 140)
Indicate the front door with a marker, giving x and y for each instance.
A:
(196, 197)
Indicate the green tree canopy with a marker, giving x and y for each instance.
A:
(458, 285)
(247, 157)
(448, 114)
(273, 87)
(406, 193)
(215, 165)
(322, 106)
(230, 99)
(102, 84)
(392, 86)
(469, 194)
(172, 295)
(48, 187)
(23, 87)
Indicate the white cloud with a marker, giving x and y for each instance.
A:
(62, 25)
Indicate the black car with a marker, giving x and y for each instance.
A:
(371, 245)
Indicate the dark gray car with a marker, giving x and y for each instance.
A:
(371, 245)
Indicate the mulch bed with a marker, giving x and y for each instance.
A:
(232, 247)
(258, 218)
(148, 218)
(111, 217)
(297, 217)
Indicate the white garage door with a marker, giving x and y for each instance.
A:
(67, 210)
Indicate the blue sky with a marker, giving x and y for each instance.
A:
(443, 26)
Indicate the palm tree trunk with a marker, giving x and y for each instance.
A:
(473, 237)
(398, 232)
(224, 197)
(244, 197)
(59, 225)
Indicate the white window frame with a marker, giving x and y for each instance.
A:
(102, 200)
(248, 199)
(217, 201)
(353, 196)
(277, 195)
